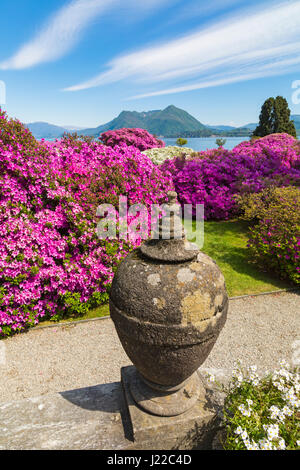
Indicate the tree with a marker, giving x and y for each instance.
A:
(282, 116)
(181, 142)
(275, 118)
(220, 142)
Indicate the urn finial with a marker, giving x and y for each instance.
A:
(169, 242)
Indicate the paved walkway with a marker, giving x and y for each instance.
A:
(260, 330)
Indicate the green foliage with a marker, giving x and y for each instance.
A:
(282, 114)
(14, 133)
(181, 142)
(73, 138)
(275, 118)
(75, 308)
(220, 142)
(262, 413)
(275, 237)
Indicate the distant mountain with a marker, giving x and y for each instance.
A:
(221, 128)
(44, 130)
(250, 126)
(167, 122)
(73, 128)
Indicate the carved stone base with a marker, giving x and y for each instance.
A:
(192, 429)
(165, 401)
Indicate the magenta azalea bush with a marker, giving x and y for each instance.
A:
(51, 261)
(139, 138)
(217, 180)
(282, 147)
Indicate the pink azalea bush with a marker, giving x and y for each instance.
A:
(216, 178)
(281, 147)
(51, 261)
(139, 138)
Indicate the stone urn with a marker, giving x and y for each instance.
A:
(168, 302)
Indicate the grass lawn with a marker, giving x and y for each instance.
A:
(226, 243)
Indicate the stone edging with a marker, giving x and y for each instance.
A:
(280, 291)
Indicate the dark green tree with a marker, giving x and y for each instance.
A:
(275, 118)
(220, 142)
(181, 142)
(282, 115)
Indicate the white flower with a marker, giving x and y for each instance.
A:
(244, 435)
(265, 445)
(251, 445)
(211, 378)
(238, 430)
(272, 431)
(159, 155)
(284, 364)
(287, 411)
(250, 402)
(275, 412)
(244, 410)
(291, 398)
(281, 417)
(281, 444)
(285, 373)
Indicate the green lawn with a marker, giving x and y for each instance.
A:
(226, 243)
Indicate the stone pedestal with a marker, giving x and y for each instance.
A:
(193, 429)
(101, 418)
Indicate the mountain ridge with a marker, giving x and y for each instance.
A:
(169, 122)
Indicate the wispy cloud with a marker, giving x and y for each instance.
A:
(63, 30)
(248, 46)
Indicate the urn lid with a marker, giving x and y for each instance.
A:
(169, 243)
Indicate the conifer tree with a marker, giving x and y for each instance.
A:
(275, 118)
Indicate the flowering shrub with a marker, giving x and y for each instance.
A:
(51, 260)
(275, 146)
(159, 155)
(14, 133)
(275, 239)
(210, 154)
(139, 138)
(215, 181)
(262, 413)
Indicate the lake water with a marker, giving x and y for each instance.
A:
(204, 143)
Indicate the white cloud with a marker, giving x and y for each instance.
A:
(250, 46)
(64, 29)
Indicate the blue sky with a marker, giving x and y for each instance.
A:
(82, 62)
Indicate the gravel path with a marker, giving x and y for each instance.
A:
(259, 330)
